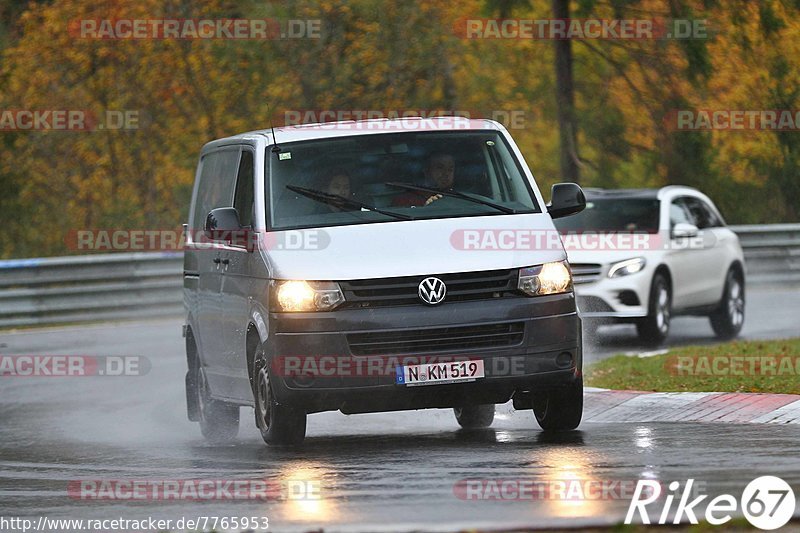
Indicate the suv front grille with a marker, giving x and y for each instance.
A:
(384, 292)
(431, 340)
(585, 272)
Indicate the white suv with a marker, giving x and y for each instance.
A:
(644, 255)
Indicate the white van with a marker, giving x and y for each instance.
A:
(326, 269)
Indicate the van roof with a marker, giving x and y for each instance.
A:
(347, 128)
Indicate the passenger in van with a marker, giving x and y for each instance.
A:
(339, 183)
(336, 181)
(439, 172)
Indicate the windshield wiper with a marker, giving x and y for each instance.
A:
(454, 194)
(340, 201)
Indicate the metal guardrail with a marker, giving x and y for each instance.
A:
(61, 290)
(117, 286)
(771, 252)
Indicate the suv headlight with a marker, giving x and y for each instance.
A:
(625, 268)
(549, 278)
(299, 296)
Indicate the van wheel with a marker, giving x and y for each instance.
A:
(279, 424)
(190, 382)
(559, 409)
(653, 328)
(219, 421)
(728, 319)
(474, 416)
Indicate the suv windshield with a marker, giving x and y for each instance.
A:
(614, 214)
(399, 176)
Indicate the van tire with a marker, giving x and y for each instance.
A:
(279, 424)
(559, 409)
(190, 382)
(474, 416)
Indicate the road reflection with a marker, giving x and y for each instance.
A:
(568, 466)
(307, 498)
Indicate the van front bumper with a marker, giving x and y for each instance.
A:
(339, 361)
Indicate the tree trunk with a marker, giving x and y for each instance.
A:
(565, 101)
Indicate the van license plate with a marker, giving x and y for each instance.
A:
(439, 373)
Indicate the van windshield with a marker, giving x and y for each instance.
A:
(398, 176)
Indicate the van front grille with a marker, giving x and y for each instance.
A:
(384, 292)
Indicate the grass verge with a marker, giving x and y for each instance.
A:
(741, 366)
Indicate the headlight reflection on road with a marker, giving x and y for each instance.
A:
(644, 437)
(305, 493)
(503, 436)
(569, 470)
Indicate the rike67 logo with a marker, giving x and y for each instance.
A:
(767, 502)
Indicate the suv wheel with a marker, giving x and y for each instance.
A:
(219, 421)
(728, 319)
(278, 423)
(474, 416)
(559, 409)
(653, 328)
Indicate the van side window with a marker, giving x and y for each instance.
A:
(243, 200)
(216, 184)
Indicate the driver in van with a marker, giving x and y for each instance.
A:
(439, 172)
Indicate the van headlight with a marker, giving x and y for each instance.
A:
(549, 278)
(298, 296)
(625, 268)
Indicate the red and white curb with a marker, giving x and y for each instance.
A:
(602, 405)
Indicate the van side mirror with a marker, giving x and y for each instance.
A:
(222, 224)
(566, 199)
(683, 230)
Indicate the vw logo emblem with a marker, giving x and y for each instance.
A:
(432, 291)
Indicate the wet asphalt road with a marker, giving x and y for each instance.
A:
(368, 472)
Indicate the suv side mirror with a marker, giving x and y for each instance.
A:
(682, 230)
(566, 199)
(222, 224)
